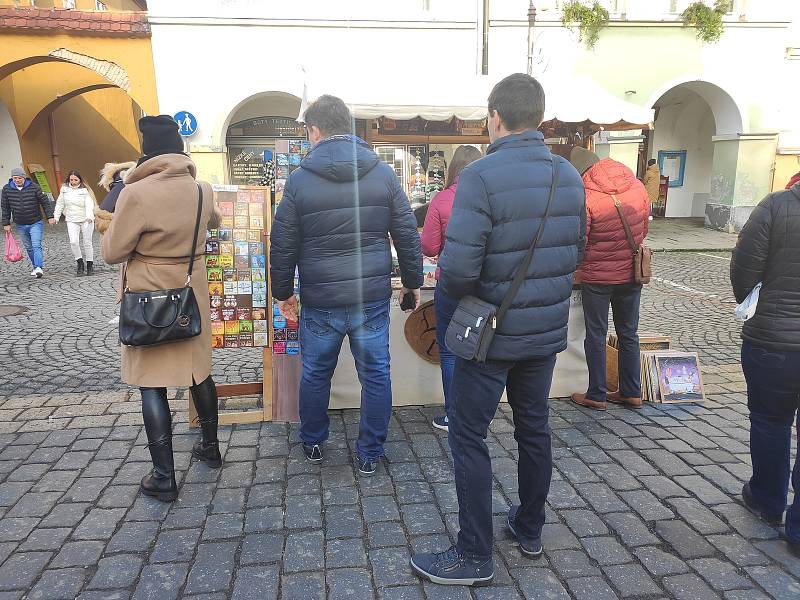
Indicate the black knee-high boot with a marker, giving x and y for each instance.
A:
(204, 396)
(160, 482)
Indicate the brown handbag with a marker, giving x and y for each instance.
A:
(642, 255)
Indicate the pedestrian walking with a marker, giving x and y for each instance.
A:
(334, 224)
(652, 180)
(433, 236)
(76, 203)
(768, 253)
(607, 277)
(24, 202)
(112, 179)
(519, 192)
(152, 234)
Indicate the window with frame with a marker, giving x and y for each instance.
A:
(98, 5)
(68, 4)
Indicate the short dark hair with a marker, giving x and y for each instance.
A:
(651, 162)
(519, 99)
(331, 115)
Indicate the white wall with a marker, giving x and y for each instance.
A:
(688, 126)
(10, 155)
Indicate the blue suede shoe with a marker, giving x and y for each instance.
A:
(530, 548)
(451, 568)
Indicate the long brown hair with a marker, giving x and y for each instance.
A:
(461, 158)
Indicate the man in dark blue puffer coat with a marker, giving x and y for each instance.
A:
(499, 205)
(334, 222)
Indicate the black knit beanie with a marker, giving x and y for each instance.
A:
(160, 135)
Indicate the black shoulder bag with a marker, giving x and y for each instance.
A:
(475, 321)
(162, 316)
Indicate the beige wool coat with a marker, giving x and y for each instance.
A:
(151, 233)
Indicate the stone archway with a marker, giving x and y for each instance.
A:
(10, 152)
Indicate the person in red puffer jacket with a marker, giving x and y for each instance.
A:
(606, 275)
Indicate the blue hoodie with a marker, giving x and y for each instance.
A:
(333, 224)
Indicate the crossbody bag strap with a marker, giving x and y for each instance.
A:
(522, 271)
(625, 225)
(196, 232)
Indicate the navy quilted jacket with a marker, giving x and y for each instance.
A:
(499, 204)
(334, 222)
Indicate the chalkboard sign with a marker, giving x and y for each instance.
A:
(247, 165)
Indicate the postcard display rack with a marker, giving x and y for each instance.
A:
(237, 267)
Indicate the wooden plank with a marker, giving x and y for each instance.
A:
(286, 388)
(266, 385)
(253, 416)
(231, 390)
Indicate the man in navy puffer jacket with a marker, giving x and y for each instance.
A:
(498, 207)
(334, 222)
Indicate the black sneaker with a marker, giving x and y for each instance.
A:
(750, 502)
(530, 548)
(451, 568)
(441, 423)
(313, 453)
(366, 467)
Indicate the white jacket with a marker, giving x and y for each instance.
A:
(76, 204)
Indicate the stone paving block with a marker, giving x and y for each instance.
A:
(184, 518)
(660, 563)
(584, 522)
(689, 587)
(303, 586)
(22, 569)
(55, 585)
(345, 553)
(601, 498)
(698, 516)
(496, 592)
(118, 571)
(558, 537)
(631, 580)
(417, 492)
(175, 545)
(422, 519)
(6, 548)
(575, 470)
(212, 569)
(148, 509)
(10, 492)
(779, 551)
(537, 583)
(745, 522)
(220, 527)
(16, 529)
(303, 512)
(404, 592)
(343, 522)
(27, 473)
(683, 539)
(571, 563)
(563, 495)
(385, 534)
(228, 500)
(606, 551)
(441, 592)
(738, 550)
(264, 548)
(630, 528)
(264, 519)
(345, 584)
(745, 595)
(66, 515)
(161, 582)
(270, 494)
(669, 464)
(646, 505)
(707, 492)
(87, 489)
(390, 567)
(45, 539)
(256, 583)
(133, 537)
(663, 487)
(105, 595)
(380, 508)
(340, 497)
(304, 552)
(720, 575)
(591, 588)
(99, 524)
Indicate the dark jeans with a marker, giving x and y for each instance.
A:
(31, 237)
(444, 306)
(322, 333)
(477, 389)
(624, 301)
(773, 397)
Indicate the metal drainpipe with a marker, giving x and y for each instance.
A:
(485, 46)
(54, 151)
(531, 25)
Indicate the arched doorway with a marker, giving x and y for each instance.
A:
(690, 118)
(10, 153)
(252, 130)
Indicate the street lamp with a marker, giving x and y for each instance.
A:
(531, 25)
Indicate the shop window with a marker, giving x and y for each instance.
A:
(100, 5)
(68, 4)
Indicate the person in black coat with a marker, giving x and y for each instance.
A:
(340, 213)
(23, 202)
(500, 203)
(768, 252)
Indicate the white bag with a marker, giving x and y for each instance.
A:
(747, 309)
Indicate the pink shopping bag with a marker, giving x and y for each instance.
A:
(13, 253)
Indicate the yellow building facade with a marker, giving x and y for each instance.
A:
(73, 83)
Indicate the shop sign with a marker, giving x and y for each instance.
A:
(270, 127)
(247, 164)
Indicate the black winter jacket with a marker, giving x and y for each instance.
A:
(768, 251)
(499, 204)
(333, 223)
(22, 206)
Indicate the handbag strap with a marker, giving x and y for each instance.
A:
(625, 225)
(522, 271)
(196, 231)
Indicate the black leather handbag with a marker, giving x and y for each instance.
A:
(162, 316)
(472, 328)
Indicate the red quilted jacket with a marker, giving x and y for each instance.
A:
(608, 259)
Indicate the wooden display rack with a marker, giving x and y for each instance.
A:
(264, 387)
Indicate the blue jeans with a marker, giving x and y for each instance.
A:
(322, 332)
(444, 307)
(773, 397)
(31, 236)
(624, 301)
(477, 389)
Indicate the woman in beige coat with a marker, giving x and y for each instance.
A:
(152, 234)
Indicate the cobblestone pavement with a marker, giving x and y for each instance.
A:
(687, 234)
(644, 504)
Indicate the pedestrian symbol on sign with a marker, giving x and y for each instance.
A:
(187, 124)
